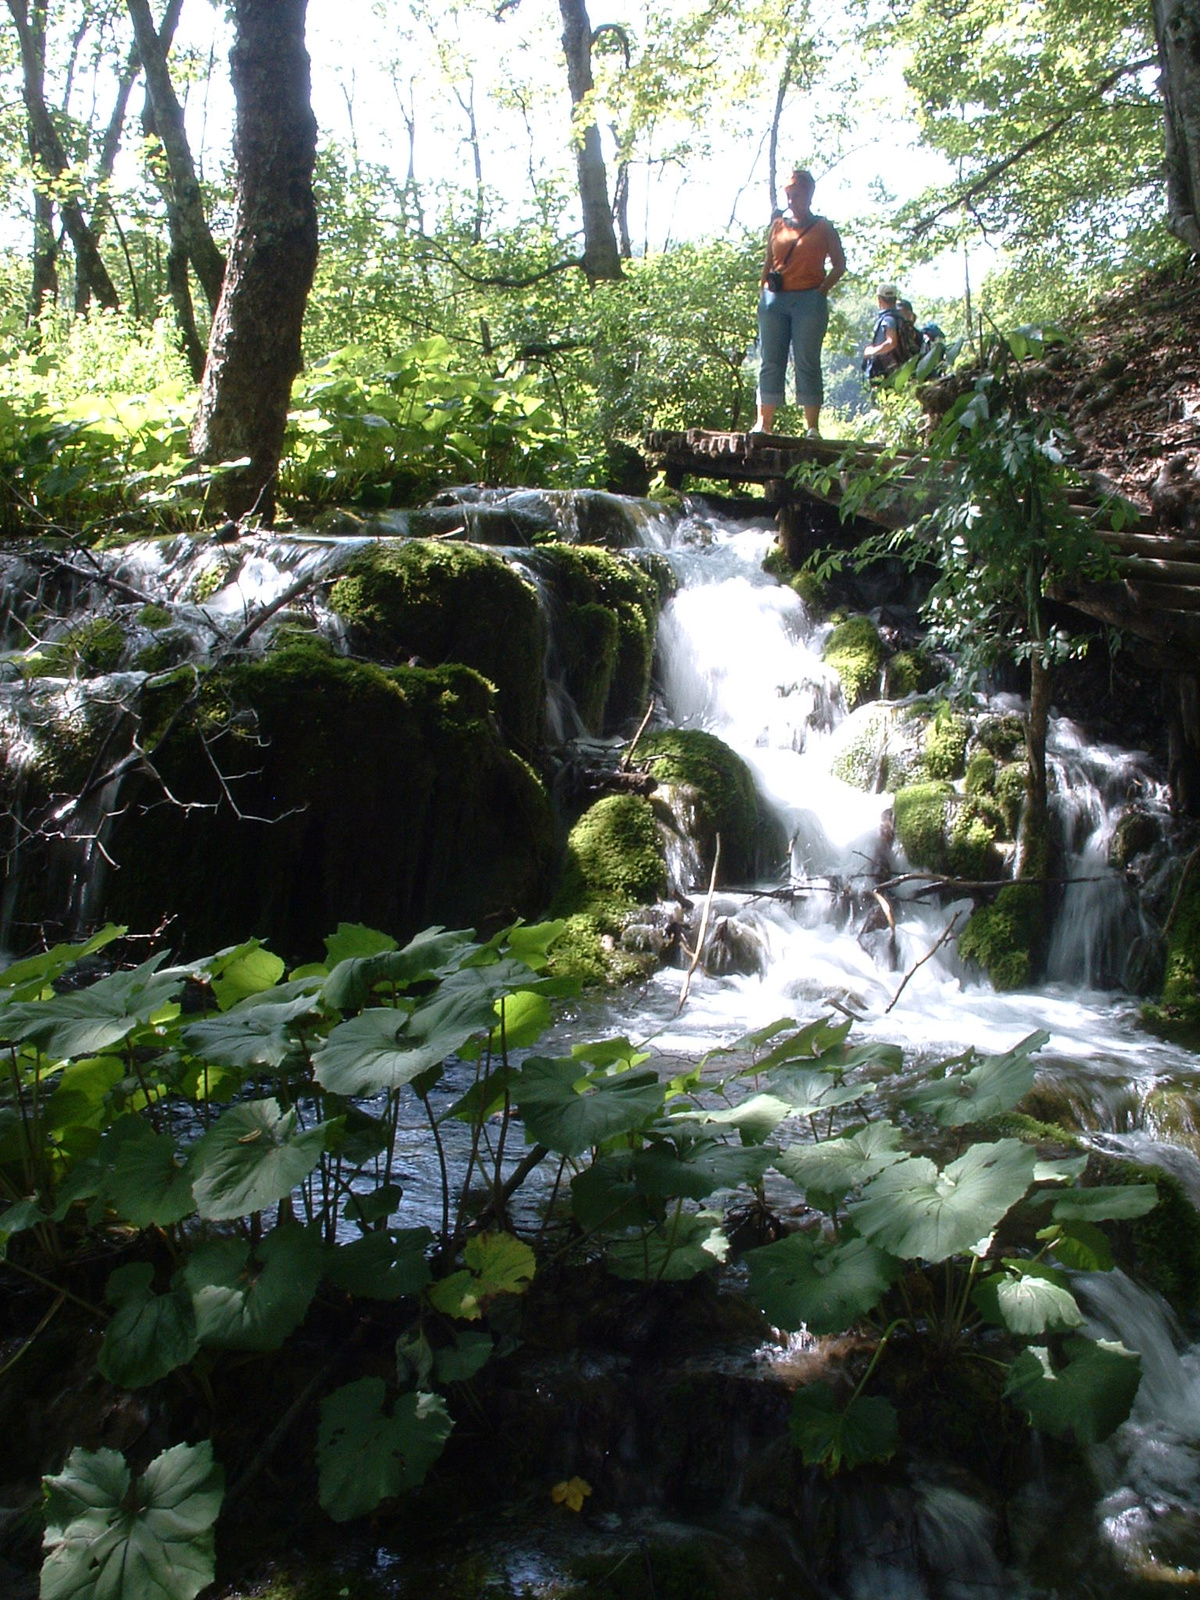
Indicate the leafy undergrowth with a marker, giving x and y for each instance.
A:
(223, 1301)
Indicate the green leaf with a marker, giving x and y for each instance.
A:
(87, 1022)
(610, 1053)
(1089, 1397)
(689, 1243)
(756, 1118)
(866, 1430)
(800, 1281)
(25, 980)
(530, 942)
(143, 1181)
(835, 1166)
(992, 1086)
(1119, 1203)
(153, 1540)
(496, 1263)
(246, 1301)
(382, 1266)
(354, 941)
(434, 953)
(809, 1091)
(366, 1454)
(570, 1112)
(252, 1158)
(1027, 1299)
(149, 1334)
(375, 1205)
(605, 1197)
(470, 1352)
(693, 1169)
(254, 1033)
(19, 1218)
(385, 1048)
(81, 1095)
(1079, 1245)
(245, 970)
(914, 1211)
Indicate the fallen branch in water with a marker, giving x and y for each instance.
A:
(946, 932)
(628, 756)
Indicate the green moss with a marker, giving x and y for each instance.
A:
(1136, 831)
(862, 760)
(1177, 1017)
(661, 1570)
(614, 861)
(1005, 938)
(725, 799)
(211, 579)
(451, 603)
(589, 640)
(368, 795)
(85, 650)
(1012, 782)
(153, 616)
(981, 773)
(910, 672)
(921, 815)
(1003, 736)
(1165, 1243)
(971, 847)
(855, 652)
(584, 575)
(946, 744)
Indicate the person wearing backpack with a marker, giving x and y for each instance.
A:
(803, 262)
(885, 353)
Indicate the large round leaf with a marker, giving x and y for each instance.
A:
(254, 1033)
(983, 1089)
(569, 1111)
(366, 1454)
(385, 1047)
(914, 1211)
(148, 1334)
(153, 1540)
(382, 1266)
(1104, 1203)
(1028, 1299)
(686, 1245)
(866, 1429)
(804, 1282)
(361, 958)
(496, 1263)
(1089, 1397)
(693, 1169)
(252, 1158)
(835, 1166)
(86, 1022)
(246, 1301)
(143, 1183)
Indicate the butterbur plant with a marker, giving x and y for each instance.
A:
(226, 1139)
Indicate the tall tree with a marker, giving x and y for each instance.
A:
(254, 348)
(184, 199)
(601, 255)
(1177, 32)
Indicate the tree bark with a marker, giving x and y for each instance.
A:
(47, 149)
(1177, 31)
(254, 348)
(185, 193)
(601, 257)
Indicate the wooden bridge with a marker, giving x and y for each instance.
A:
(1155, 598)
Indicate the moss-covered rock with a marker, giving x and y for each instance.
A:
(921, 811)
(911, 672)
(980, 775)
(971, 852)
(946, 744)
(86, 650)
(1004, 736)
(1005, 938)
(152, 616)
(580, 576)
(614, 861)
(447, 603)
(802, 581)
(1012, 784)
(1163, 1247)
(367, 794)
(722, 791)
(1137, 831)
(856, 653)
(1177, 1016)
(861, 760)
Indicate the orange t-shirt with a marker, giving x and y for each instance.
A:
(814, 243)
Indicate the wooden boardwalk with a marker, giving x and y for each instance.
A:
(1156, 596)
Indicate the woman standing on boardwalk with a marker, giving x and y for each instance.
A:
(804, 260)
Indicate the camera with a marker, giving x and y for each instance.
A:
(775, 282)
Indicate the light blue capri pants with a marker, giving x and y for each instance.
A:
(795, 318)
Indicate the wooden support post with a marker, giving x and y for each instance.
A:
(793, 533)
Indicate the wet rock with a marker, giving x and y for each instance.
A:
(734, 947)
(1137, 831)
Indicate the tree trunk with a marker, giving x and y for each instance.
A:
(1033, 852)
(254, 349)
(1177, 30)
(601, 257)
(47, 150)
(168, 125)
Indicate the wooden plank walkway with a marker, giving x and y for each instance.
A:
(1156, 596)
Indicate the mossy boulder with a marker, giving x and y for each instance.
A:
(445, 603)
(1006, 938)
(980, 775)
(861, 759)
(801, 581)
(1003, 735)
(614, 861)
(856, 653)
(1137, 831)
(1012, 785)
(366, 794)
(614, 673)
(946, 744)
(721, 792)
(910, 672)
(87, 649)
(1177, 1016)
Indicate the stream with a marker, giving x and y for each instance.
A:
(739, 655)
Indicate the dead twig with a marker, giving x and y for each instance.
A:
(946, 932)
(712, 886)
